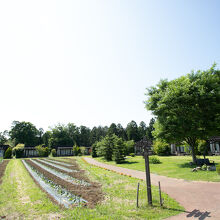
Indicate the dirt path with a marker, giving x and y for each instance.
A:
(201, 200)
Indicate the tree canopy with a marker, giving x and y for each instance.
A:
(24, 133)
(69, 134)
(187, 108)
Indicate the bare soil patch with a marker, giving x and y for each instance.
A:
(3, 166)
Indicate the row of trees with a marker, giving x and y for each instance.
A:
(69, 135)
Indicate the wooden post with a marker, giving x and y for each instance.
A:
(161, 201)
(147, 169)
(137, 194)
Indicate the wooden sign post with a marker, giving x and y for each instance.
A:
(146, 146)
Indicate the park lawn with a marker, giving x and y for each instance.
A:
(171, 166)
(22, 198)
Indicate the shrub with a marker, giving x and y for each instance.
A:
(94, 153)
(203, 147)
(18, 151)
(154, 160)
(129, 147)
(132, 154)
(8, 153)
(42, 151)
(204, 167)
(76, 150)
(84, 150)
(161, 148)
(118, 150)
(54, 152)
(218, 168)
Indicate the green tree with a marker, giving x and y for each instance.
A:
(142, 129)
(129, 147)
(3, 138)
(42, 150)
(105, 147)
(40, 135)
(64, 135)
(112, 129)
(84, 136)
(54, 152)
(161, 148)
(150, 129)
(187, 108)
(121, 132)
(76, 150)
(111, 148)
(203, 147)
(132, 131)
(24, 132)
(94, 149)
(97, 133)
(118, 150)
(46, 138)
(8, 153)
(18, 151)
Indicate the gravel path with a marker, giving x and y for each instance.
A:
(201, 200)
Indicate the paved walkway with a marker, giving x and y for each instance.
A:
(201, 200)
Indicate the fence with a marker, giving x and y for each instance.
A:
(158, 198)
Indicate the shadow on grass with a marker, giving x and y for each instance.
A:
(186, 165)
(195, 213)
(129, 162)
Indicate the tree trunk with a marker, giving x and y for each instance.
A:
(192, 142)
(193, 155)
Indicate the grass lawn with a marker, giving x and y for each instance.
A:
(22, 198)
(172, 166)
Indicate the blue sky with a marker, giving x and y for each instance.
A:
(90, 62)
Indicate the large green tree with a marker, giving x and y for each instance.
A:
(112, 129)
(150, 129)
(3, 138)
(97, 133)
(132, 131)
(142, 129)
(84, 136)
(121, 132)
(111, 147)
(64, 135)
(188, 108)
(24, 133)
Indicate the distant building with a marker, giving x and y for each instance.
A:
(3, 148)
(214, 145)
(63, 150)
(179, 150)
(30, 151)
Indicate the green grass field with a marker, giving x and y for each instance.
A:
(21, 198)
(172, 166)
